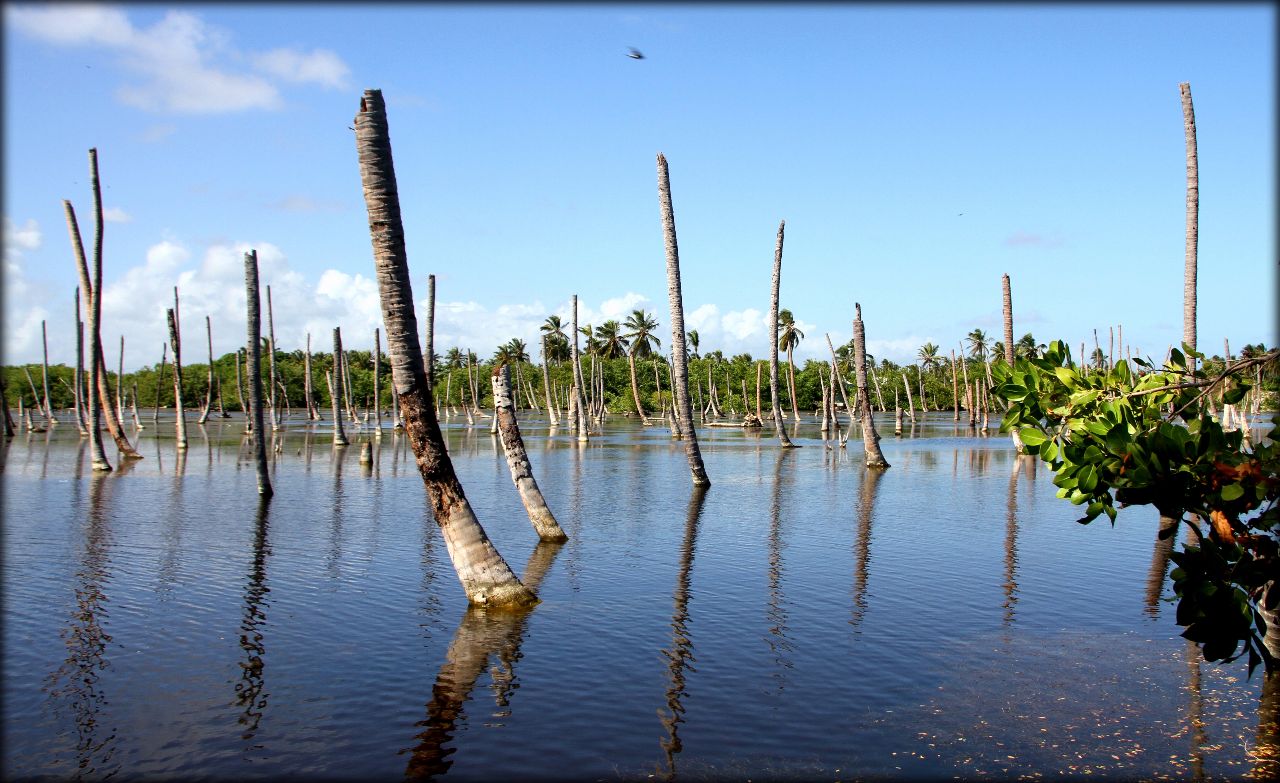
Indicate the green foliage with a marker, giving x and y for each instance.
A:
(1147, 437)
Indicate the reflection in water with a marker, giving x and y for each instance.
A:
(250, 691)
(1159, 565)
(1266, 754)
(1011, 542)
(338, 453)
(680, 656)
(862, 546)
(778, 642)
(76, 683)
(1195, 711)
(482, 634)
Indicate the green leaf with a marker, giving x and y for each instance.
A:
(1087, 478)
(1031, 436)
(1232, 396)
(1067, 376)
(1232, 491)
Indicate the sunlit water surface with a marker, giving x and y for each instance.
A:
(804, 618)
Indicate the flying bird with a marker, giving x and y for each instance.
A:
(635, 53)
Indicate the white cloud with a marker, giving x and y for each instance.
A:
(116, 215)
(17, 239)
(22, 313)
(306, 205)
(321, 66)
(185, 65)
(157, 133)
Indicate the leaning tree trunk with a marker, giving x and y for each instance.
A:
(579, 398)
(208, 400)
(635, 388)
(544, 522)
(98, 455)
(485, 576)
(44, 372)
(870, 440)
(838, 383)
(176, 343)
(791, 382)
(1193, 222)
(119, 384)
(1008, 346)
(81, 418)
(336, 389)
(164, 360)
(271, 348)
(680, 359)
(773, 343)
(546, 386)
(254, 343)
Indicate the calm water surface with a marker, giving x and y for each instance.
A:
(802, 619)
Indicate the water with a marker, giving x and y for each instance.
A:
(803, 618)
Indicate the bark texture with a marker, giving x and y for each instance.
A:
(579, 413)
(1008, 345)
(1193, 220)
(544, 522)
(336, 389)
(870, 440)
(485, 576)
(175, 342)
(254, 344)
(783, 440)
(679, 356)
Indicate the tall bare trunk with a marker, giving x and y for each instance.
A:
(791, 383)
(911, 409)
(336, 389)
(208, 399)
(164, 358)
(955, 390)
(635, 388)
(485, 576)
(544, 522)
(1008, 346)
(837, 383)
(44, 372)
(271, 354)
(680, 361)
(98, 455)
(870, 440)
(81, 418)
(175, 342)
(312, 412)
(579, 413)
(377, 371)
(254, 347)
(1193, 221)
(772, 336)
(119, 384)
(429, 354)
(546, 385)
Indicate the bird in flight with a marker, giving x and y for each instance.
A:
(635, 53)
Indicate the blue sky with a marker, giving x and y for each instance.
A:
(917, 152)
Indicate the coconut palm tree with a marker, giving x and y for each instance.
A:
(557, 342)
(1193, 220)
(1027, 347)
(610, 341)
(692, 339)
(453, 359)
(978, 345)
(789, 336)
(643, 342)
(928, 356)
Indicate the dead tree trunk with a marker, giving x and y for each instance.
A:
(1193, 222)
(254, 345)
(81, 418)
(485, 576)
(164, 360)
(208, 399)
(1008, 346)
(870, 440)
(336, 388)
(98, 455)
(773, 344)
(271, 348)
(544, 522)
(546, 386)
(44, 370)
(175, 341)
(429, 354)
(680, 361)
(377, 389)
(313, 413)
(579, 413)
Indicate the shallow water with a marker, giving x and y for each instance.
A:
(804, 618)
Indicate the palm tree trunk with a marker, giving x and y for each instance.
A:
(208, 400)
(680, 362)
(254, 345)
(911, 410)
(81, 418)
(175, 342)
(1193, 222)
(312, 412)
(876, 381)
(271, 349)
(778, 423)
(1008, 347)
(546, 385)
(838, 383)
(133, 405)
(164, 358)
(119, 384)
(579, 412)
(544, 522)
(429, 354)
(98, 455)
(485, 576)
(44, 372)
(791, 383)
(635, 388)
(336, 389)
(377, 370)
(870, 440)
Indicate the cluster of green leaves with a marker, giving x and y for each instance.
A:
(1148, 437)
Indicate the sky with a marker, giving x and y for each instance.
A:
(916, 153)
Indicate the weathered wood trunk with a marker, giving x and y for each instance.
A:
(175, 342)
(377, 387)
(208, 398)
(544, 522)
(870, 440)
(82, 420)
(579, 412)
(1008, 346)
(1193, 221)
(635, 388)
(773, 343)
(133, 406)
(336, 389)
(98, 455)
(680, 360)
(546, 386)
(791, 383)
(485, 576)
(164, 359)
(271, 353)
(313, 412)
(955, 390)
(44, 372)
(429, 353)
(911, 411)
(254, 346)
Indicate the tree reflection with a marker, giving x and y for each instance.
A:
(1011, 542)
(1159, 565)
(77, 682)
(482, 634)
(862, 545)
(250, 691)
(1266, 755)
(778, 642)
(680, 656)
